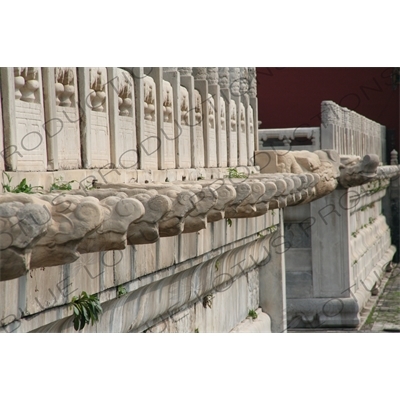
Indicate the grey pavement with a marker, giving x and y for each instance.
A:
(384, 316)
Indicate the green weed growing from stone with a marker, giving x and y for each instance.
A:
(86, 308)
(252, 314)
(59, 184)
(233, 173)
(22, 187)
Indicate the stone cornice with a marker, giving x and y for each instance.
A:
(43, 230)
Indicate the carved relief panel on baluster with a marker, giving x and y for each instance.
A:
(250, 136)
(67, 134)
(222, 145)
(100, 130)
(233, 136)
(125, 142)
(199, 140)
(150, 143)
(242, 133)
(212, 140)
(168, 136)
(184, 145)
(23, 117)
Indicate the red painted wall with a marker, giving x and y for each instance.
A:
(291, 97)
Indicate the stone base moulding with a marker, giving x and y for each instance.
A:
(149, 305)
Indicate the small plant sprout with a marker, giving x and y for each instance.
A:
(196, 330)
(86, 308)
(121, 291)
(272, 229)
(22, 187)
(252, 314)
(233, 173)
(229, 221)
(60, 184)
(207, 301)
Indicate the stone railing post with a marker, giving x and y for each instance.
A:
(208, 116)
(219, 129)
(394, 157)
(180, 118)
(230, 116)
(2, 150)
(95, 127)
(23, 118)
(62, 118)
(146, 119)
(165, 119)
(234, 86)
(254, 105)
(121, 93)
(197, 141)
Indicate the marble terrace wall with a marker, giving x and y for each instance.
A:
(152, 213)
(157, 225)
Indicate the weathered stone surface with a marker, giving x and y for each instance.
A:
(112, 233)
(72, 218)
(244, 206)
(197, 219)
(22, 226)
(143, 308)
(224, 191)
(324, 163)
(145, 230)
(182, 203)
(115, 215)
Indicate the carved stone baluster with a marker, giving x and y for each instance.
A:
(207, 102)
(196, 151)
(124, 152)
(394, 157)
(146, 125)
(23, 119)
(62, 118)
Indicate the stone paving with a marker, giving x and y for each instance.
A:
(385, 315)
